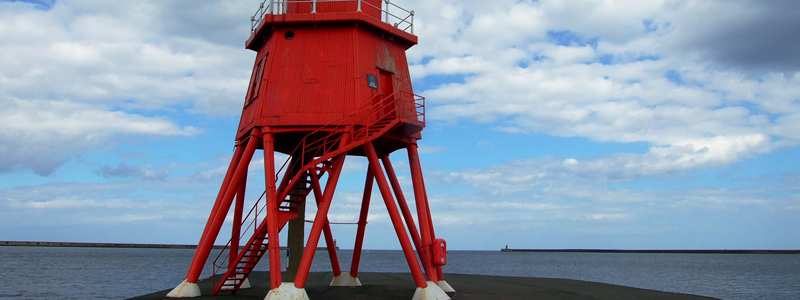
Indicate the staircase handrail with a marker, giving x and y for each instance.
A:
(215, 267)
(371, 107)
(331, 140)
(335, 124)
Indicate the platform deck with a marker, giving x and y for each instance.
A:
(400, 286)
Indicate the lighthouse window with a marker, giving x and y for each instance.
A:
(289, 35)
(255, 79)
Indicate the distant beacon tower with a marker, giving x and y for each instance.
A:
(330, 80)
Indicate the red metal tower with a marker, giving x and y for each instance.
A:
(330, 80)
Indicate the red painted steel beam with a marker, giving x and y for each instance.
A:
(319, 222)
(237, 156)
(326, 229)
(401, 200)
(236, 228)
(422, 212)
(386, 193)
(439, 272)
(204, 249)
(362, 224)
(273, 244)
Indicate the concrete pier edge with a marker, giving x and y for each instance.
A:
(401, 286)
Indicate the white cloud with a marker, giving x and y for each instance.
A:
(618, 71)
(41, 135)
(428, 149)
(71, 203)
(609, 217)
(71, 76)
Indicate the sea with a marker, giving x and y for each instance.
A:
(119, 273)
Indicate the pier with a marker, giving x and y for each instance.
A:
(112, 245)
(391, 286)
(685, 251)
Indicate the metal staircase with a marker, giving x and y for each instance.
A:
(318, 152)
(256, 247)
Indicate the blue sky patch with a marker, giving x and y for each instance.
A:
(650, 26)
(571, 39)
(37, 4)
(674, 76)
(755, 109)
(606, 59)
(431, 82)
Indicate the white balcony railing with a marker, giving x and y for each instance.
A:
(390, 13)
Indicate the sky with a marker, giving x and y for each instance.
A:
(641, 124)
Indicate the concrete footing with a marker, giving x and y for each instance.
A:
(446, 287)
(345, 279)
(287, 291)
(245, 284)
(431, 292)
(185, 290)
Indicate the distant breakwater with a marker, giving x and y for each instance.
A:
(109, 245)
(722, 251)
(97, 245)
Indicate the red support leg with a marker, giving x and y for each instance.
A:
(237, 222)
(319, 222)
(412, 151)
(273, 243)
(433, 236)
(326, 229)
(415, 236)
(237, 156)
(204, 249)
(362, 224)
(383, 186)
(422, 212)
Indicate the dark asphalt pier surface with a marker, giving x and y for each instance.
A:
(401, 286)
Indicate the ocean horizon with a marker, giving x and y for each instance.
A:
(116, 273)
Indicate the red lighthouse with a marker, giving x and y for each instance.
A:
(330, 80)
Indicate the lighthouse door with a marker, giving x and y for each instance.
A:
(386, 90)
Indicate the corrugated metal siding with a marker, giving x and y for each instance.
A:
(372, 11)
(311, 76)
(251, 109)
(378, 53)
(298, 8)
(319, 75)
(326, 7)
(369, 7)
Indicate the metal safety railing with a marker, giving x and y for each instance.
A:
(247, 227)
(375, 111)
(398, 17)
(372, 110)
